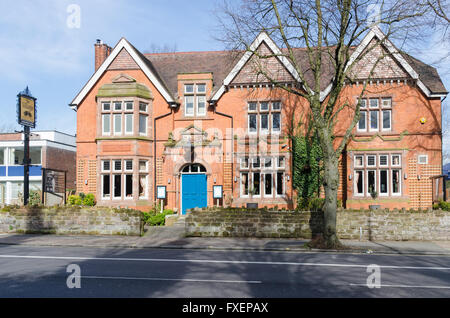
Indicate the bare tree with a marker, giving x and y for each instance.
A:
(329, 31)
(7, 128)
(155, 48)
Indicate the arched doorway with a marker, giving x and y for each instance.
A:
(193, 187)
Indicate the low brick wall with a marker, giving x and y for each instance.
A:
(380, 225)
(71, 220)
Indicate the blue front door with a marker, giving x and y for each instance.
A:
(193, 191)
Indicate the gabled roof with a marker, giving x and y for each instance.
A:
(140, 60)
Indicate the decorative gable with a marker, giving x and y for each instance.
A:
(386, 67)
(260, 70)
(123, 61)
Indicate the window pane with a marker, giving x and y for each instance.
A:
(383, 160)
(106, 191)
(143, 166)
(373, 103)
(363, 103)
(117, 165)
(106, 165)
(276, 122)
(244, 163)
(252, 106)
(359, 180)
(2, 156)
(396, 181)
(143, 186)
(129, 123)
(256, 162)
(189, 88)
(142, 107)
(128, 186)
(371, 186)
(383, 182)
(374, 120)
(256, 183)
(201, 110)
(201, 88)
(129, 165)
(280, 183)
(189, 107)
(35, 156)
(281, 162)
(117, 124)
(386, 103)
(371, 161)
(362, 121)
(16, 156)
(276, 106)
(106, 106)
(386, 119)
(117, 105)
(268, 184)
(252, 123)
(117, 186)
(396, 160)
(244, 183)
(268, 163)
(106, 124)
(359, 161)
(264, 106)
(143, 124)
(264, 122)
(129, 105)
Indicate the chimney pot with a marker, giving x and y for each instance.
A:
(102, 51)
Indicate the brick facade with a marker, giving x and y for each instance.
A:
(217, 135)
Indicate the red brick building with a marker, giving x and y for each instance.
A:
(190, 121)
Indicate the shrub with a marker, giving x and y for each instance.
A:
(89, 200)
(442, 205)
(74, 200)
(156, 218)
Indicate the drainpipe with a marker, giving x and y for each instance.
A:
(154, 149)
(232, 142)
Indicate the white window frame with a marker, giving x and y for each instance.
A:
(367, 181)
(254, 160)
(186, 86)
(399, 160)
(271, 163)
(248, 124)
(387, 181)
(273, 107)
(264, 130)
(146, 107)
(275, 131)
(146, 125)
(252, 110)
(382, 119)
(126, 106)
(386, 99)
(146, 165)
(103, 107)
(242, 161)
(110, 188)
(125, 186)
(242, 185)
(116, 133)
(132, 123)
(197, 99)
(114, 186)
(387, 161)
(283, 180)
(253, 183)
(422, 156)
(370, 120)
(146, 187)
(125, 165)
(367, 161)
(114, 106)
(271, 185)
(114, 166)
(186, 114)
(103, 165)
(400, 182)
(106, 133)
(370, 104)
(278, 162)
(365, 122)
(197, 88)
(355, 162)
(264, 110)
(355, 185)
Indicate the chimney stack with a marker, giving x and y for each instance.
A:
(102, 51)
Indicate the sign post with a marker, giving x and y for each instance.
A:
(26, 116)
(217, 193)
(161, 194)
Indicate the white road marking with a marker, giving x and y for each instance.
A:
(174, 279)
(405, 286)
(76, 258)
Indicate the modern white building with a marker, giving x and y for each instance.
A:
(48, 149)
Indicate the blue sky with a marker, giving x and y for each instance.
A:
(39, 49)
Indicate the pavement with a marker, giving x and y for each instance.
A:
(173, 238)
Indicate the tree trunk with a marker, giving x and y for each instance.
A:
(331, 183)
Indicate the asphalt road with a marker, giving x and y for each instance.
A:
(42, 272)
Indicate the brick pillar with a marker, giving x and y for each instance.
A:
(102, 51)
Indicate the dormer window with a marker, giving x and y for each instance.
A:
(194, 100)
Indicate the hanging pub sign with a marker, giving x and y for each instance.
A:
(26, 109)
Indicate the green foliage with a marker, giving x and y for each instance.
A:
(442, 205)
(89, 200)
(35, 198)
(155, 218)
(311, 204)
(74, 200)
(307, 171)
